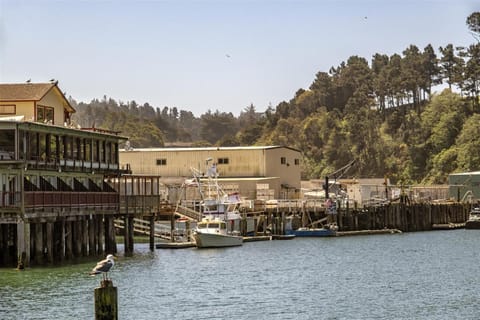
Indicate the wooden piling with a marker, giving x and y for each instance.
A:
(100, 230)
(152, 233)
(84, 224)
(77, 238)
(131, 233)
(49, 243)
(106, 306)
(92, 248)
(38, 229)
(68, 240)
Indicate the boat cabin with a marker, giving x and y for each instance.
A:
(212, 226)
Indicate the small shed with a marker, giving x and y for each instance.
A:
(464, 186)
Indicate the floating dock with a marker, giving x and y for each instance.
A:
(366, 232)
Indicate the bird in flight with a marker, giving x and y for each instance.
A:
(227, 55)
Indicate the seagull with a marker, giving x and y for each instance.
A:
(28, 81)
(103, 267)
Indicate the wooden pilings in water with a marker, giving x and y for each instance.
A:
(413, 217)
(55, 240)
(401, 216)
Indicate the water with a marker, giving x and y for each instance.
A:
(427, 275)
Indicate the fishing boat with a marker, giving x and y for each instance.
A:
(327, 230)
(473, 221)
(315, 232)
(212, 233)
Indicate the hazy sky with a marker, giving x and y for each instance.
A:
(201, 55)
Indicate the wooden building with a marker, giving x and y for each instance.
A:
(256, 172)
(58, 197)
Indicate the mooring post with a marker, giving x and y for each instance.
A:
(106, 307)
(152, 233)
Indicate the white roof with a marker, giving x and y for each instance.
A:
(204, 149)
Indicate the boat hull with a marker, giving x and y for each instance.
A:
(472, 224)
(209, 240)
(314, 233)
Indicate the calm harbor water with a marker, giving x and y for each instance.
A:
(426, 275)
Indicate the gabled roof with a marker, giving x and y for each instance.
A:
(24, 91)
(29, 92)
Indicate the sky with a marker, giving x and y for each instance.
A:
(210, 55)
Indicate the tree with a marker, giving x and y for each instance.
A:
(473, 24)
(471, 80)
(412, 67)
(430, 70)
(450, 66)
(214, 126)
(468, 145)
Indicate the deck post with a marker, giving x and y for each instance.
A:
(106, 305)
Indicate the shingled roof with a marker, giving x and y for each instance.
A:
(28, 92)
(24, 91)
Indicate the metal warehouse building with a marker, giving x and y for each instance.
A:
(257, 172)
(464, 186)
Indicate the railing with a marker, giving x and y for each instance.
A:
(140, 203)
(69, 199)
(190, 213)
(161, 231)
(11, 199)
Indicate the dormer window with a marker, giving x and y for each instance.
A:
(45, 114)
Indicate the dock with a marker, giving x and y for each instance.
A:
(367, 232)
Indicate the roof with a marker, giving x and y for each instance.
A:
(208, 149)
(29, 92)
(465, 173)
(45, 127)
(24, 91)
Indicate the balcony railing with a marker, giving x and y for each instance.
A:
(71, 200)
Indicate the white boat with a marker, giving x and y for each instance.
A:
(212, 233)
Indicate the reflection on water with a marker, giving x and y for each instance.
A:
(428, 275)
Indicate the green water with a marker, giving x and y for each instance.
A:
(425, 275)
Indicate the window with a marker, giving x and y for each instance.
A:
(222, 160)
(297, 162)
(283, 160)
(7, 109)
(44, 114)
(161, 162)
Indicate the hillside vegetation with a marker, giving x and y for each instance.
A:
(384, 114)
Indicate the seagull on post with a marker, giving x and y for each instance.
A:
(104, 267)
